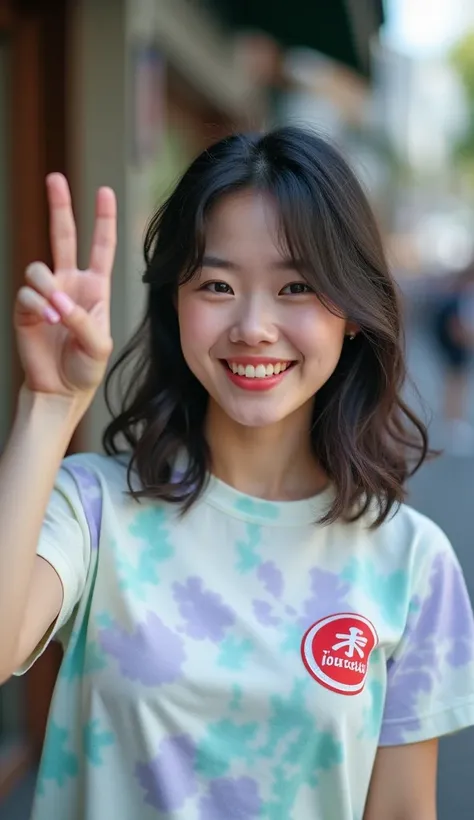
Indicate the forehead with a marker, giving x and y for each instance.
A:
(244, 220)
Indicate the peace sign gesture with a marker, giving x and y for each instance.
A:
(62, 318)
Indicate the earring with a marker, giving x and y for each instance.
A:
(351, 337)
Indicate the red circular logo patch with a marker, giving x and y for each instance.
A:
(336, 651)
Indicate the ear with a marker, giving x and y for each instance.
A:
(352, 330)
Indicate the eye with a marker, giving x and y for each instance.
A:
(296, 288)
(217, 287)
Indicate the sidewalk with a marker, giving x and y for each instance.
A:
(444, 490)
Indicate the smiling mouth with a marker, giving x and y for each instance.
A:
(258, 371)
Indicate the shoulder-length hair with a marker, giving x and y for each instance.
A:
(363, 434)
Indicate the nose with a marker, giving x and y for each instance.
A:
(254, 325)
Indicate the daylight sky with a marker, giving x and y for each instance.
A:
(427, 27)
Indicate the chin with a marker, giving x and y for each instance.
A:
(256, 416)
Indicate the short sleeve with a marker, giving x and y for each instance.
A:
(65, 542)
(430, 686)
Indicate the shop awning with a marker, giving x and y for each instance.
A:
(341, 29)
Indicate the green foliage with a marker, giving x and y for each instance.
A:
(462, 59)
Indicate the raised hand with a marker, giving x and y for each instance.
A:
(62, 318)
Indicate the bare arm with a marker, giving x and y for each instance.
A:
(30, 589)
(403, 785)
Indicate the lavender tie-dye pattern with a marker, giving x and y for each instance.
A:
(204, 612)
(153, 654)
(440, 631)
(328, 595)
(271, 578)
(169, 780)
(90, 493)
(232, 798)
(264, 613)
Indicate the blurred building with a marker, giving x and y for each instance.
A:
(420, 107)
(124, 93)
(338, 102)
(326, 75)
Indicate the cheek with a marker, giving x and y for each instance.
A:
(319, 334)
(198, 330)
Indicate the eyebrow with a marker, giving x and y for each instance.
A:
(211, 261)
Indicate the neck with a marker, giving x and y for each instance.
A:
(274, 462)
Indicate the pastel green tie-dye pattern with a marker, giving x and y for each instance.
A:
(150, 532)
(234, 653)
(388, 590)
(246, 549)
(96, 741)
(58, 762)
(225, 742)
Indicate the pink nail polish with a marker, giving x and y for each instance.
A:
(62, 302)
(51, 315)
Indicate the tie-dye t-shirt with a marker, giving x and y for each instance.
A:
(241, 661)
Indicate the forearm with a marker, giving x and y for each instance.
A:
(404, 815)
(386, 813)
(41, 433)
(403, 784)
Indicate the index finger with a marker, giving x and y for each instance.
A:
(62, 225)
(104, 238)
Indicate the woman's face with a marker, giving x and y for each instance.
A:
(252, 331)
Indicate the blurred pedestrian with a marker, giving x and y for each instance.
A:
(454, 335)
(254, 623)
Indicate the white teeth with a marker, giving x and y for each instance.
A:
(260, 371)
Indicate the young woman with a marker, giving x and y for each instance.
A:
(254, 624)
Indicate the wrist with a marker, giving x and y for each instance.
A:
(48, 413)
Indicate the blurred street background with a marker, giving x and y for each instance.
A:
(126, 92)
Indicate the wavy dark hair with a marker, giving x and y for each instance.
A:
(364, 435)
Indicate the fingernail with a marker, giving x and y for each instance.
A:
(61, 300)
(52, 176)
(51, 315)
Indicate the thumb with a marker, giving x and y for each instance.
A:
(101, 314)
